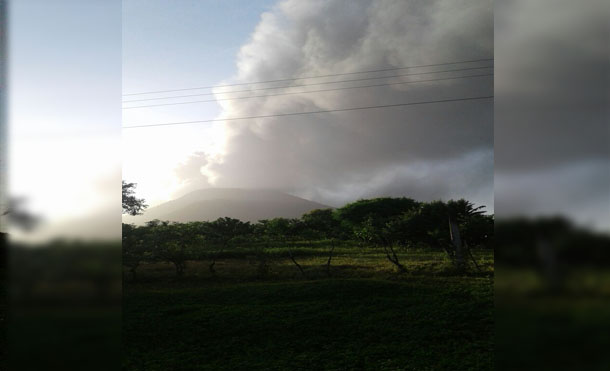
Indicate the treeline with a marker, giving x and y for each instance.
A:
(554, 247)
(534, 242)
(385, 223)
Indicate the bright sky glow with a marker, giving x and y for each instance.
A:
(171, 46)
(64, 90)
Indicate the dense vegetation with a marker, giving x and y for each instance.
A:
(383, 223)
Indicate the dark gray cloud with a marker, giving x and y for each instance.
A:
(552, 139)
(551, 83)
(426, 152)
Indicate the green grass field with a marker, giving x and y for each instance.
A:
(365, 316)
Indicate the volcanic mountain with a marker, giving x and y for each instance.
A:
(244, 204)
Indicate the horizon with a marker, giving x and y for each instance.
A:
(294, 195)
(245, 209)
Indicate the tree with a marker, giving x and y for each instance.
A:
(262, 241)
(132, 239)
(362, 215)
(221, 231)
(131, 204)
(370, 221)
(478, 230)
(18, 216)
(134, 247)
(324, 224)
(459, 213)
(285, 230)
(451, 226)
(379, 209)
(172, 242)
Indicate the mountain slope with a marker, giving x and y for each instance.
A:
(244, 204)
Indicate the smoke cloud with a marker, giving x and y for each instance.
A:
(430, 151)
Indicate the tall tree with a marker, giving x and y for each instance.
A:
(131, 204)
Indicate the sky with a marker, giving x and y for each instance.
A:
(64, 61)
(552, 139)
(173, 45)
(427, 152)
(543, 146)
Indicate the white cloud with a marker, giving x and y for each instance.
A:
(341, 156)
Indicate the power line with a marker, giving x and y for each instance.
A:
(308, 92)
(309, 112)
(310, 77)
(318, 83)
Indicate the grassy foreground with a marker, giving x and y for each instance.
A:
(364, 317)
(538, 329)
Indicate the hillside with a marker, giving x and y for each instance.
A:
(244, 204)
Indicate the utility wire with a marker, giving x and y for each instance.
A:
(310, 77)
(318, 83)
(308, 92)
(309, 112)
